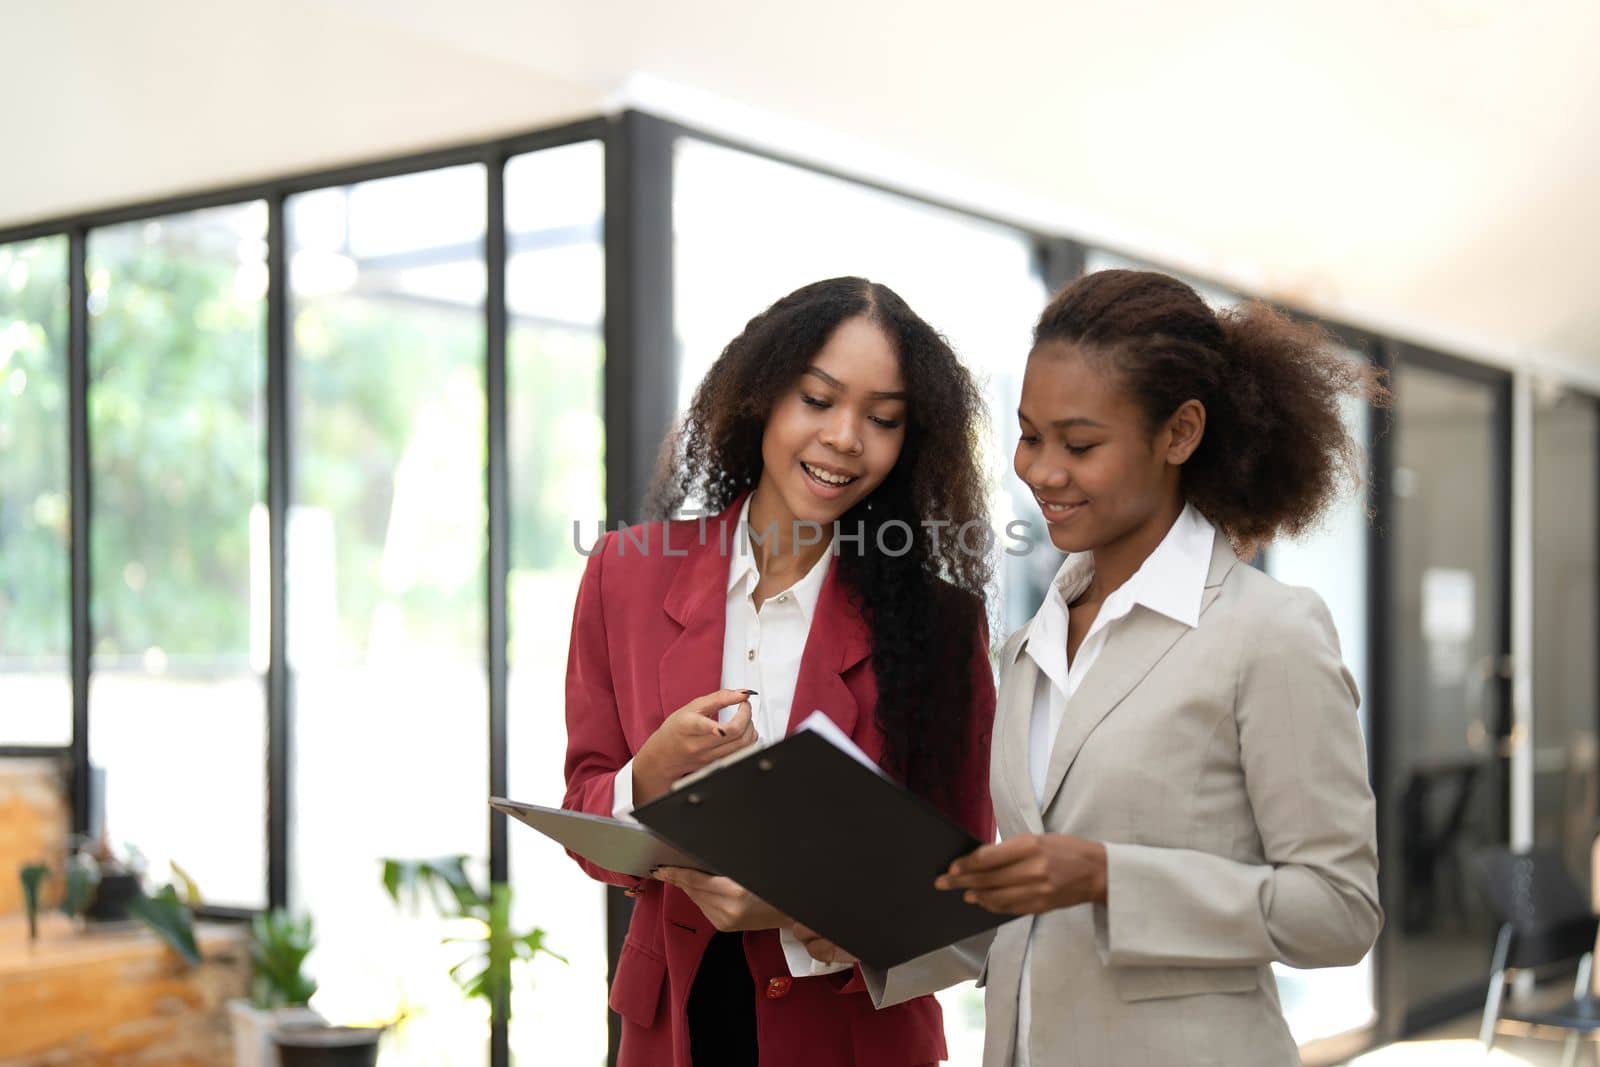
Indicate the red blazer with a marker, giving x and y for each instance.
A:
(647, 636)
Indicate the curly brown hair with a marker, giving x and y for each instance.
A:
(1276, 450)
(924, 607)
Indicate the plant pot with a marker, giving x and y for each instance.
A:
(117, 889)
(253, 1028)
(327, 1046)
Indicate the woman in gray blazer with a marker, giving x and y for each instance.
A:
(1178, 771)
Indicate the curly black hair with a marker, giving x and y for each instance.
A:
(1276, 449)
(925, 606)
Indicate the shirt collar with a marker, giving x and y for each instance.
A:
(1171, 581)
(744, 575)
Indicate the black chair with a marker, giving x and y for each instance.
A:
(1428, 847)
(1545, 919)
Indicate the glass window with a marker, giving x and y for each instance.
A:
(555, 292)
(1450, 714)
(386, 591)
(1566, 689)
(749, 230)
(35, 580)
(1332, 560)
(176, 439)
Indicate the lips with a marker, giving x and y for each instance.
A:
(1058, 510)
(828, 476)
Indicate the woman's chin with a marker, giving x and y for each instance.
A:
(1069, 542)
(805, 506)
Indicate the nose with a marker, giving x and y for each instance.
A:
(840, 432)
(1038, 473)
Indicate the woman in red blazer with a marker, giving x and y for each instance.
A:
(838, 563)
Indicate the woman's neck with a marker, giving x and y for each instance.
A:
(777, 553)
(1115, 563)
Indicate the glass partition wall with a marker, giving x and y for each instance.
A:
(35, 582)
(1566, 621)
(331, 529)
(386, 548)
(177, 422)
(1449, 732)
(555, 299)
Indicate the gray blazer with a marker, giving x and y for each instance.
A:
(1224, 769)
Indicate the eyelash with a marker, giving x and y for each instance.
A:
(1078, 450)
(811, 401)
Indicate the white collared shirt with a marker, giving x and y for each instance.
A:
(1171, 581)
(761, 650)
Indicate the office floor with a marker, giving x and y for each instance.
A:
(1515, 1045)
(1458, 1044)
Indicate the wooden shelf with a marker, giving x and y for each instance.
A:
(115, 996)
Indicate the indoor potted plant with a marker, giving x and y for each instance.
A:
(89, 894)
(278, 1028)
(280, 990)
(102, 886)
(327, 1046)
(487, 970)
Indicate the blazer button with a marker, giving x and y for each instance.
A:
(778, 988)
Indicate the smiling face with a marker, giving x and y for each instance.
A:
(1099, 475)
(835, 435)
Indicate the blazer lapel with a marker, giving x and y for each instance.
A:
(1135, 646)
(1132, 650)
(697, 601)
(1015, 722)
(837, 640)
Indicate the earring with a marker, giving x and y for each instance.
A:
(869, 503)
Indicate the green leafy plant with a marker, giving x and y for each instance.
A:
(32, 875)
(170, 919)
(83, 877)
(168, 912)
(487, 972)
(279, 945)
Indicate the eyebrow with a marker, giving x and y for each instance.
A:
(1067, 423)
(837, 384)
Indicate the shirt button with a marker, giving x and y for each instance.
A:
(777, 988)
(782, 597)
(750, 654)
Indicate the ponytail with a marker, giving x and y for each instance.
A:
(1276, 450)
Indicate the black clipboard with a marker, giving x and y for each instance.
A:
(828, 842)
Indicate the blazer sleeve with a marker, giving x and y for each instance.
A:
(939, 969)
(1314, 901)
(596, 746)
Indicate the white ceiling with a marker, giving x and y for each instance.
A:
(1430, 168)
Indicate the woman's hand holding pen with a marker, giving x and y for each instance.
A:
(1030, 873)
(729, 905)
(689, 739)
